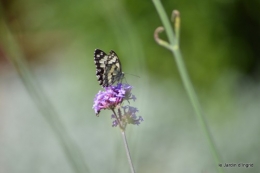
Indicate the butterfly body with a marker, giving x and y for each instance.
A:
(108, 68)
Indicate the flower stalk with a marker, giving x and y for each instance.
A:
(112, 99)
(174, 47)
(128, 152)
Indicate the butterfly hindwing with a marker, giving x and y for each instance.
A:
(108, 68)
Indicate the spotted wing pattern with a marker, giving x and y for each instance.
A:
(108, 68)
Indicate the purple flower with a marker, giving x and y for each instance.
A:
(112, 97)
(128, 117)
(128, 94)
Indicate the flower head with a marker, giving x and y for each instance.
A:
(112, 97)
(128, 116)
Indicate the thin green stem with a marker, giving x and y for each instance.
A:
(122, 128)
(165, 21)
(187, 83)
(11, 51)
(127, 152)
(118, 120)
(196, 106)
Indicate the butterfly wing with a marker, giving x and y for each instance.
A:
(100, 59)
(108, 68)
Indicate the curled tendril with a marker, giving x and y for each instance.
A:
(177, 24)
(175, 14)
(176, 21)
(157, 38)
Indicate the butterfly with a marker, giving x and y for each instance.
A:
(108, 68)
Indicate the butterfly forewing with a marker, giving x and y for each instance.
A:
(108, 68)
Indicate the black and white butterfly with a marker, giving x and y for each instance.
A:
(108, 68)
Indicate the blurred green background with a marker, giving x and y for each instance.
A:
(220, 44)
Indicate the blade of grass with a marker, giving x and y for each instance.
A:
(12, 52)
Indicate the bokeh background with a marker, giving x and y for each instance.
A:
(56, 40)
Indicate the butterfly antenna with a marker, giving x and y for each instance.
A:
(125, 80)
(133, 75)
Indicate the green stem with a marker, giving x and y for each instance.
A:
(11, 51)
(187, 83)
(165, 21)
(127, 152)
(118, 120)
(122, 128)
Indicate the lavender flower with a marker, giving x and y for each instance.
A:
(128, 117)
(112, 97)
